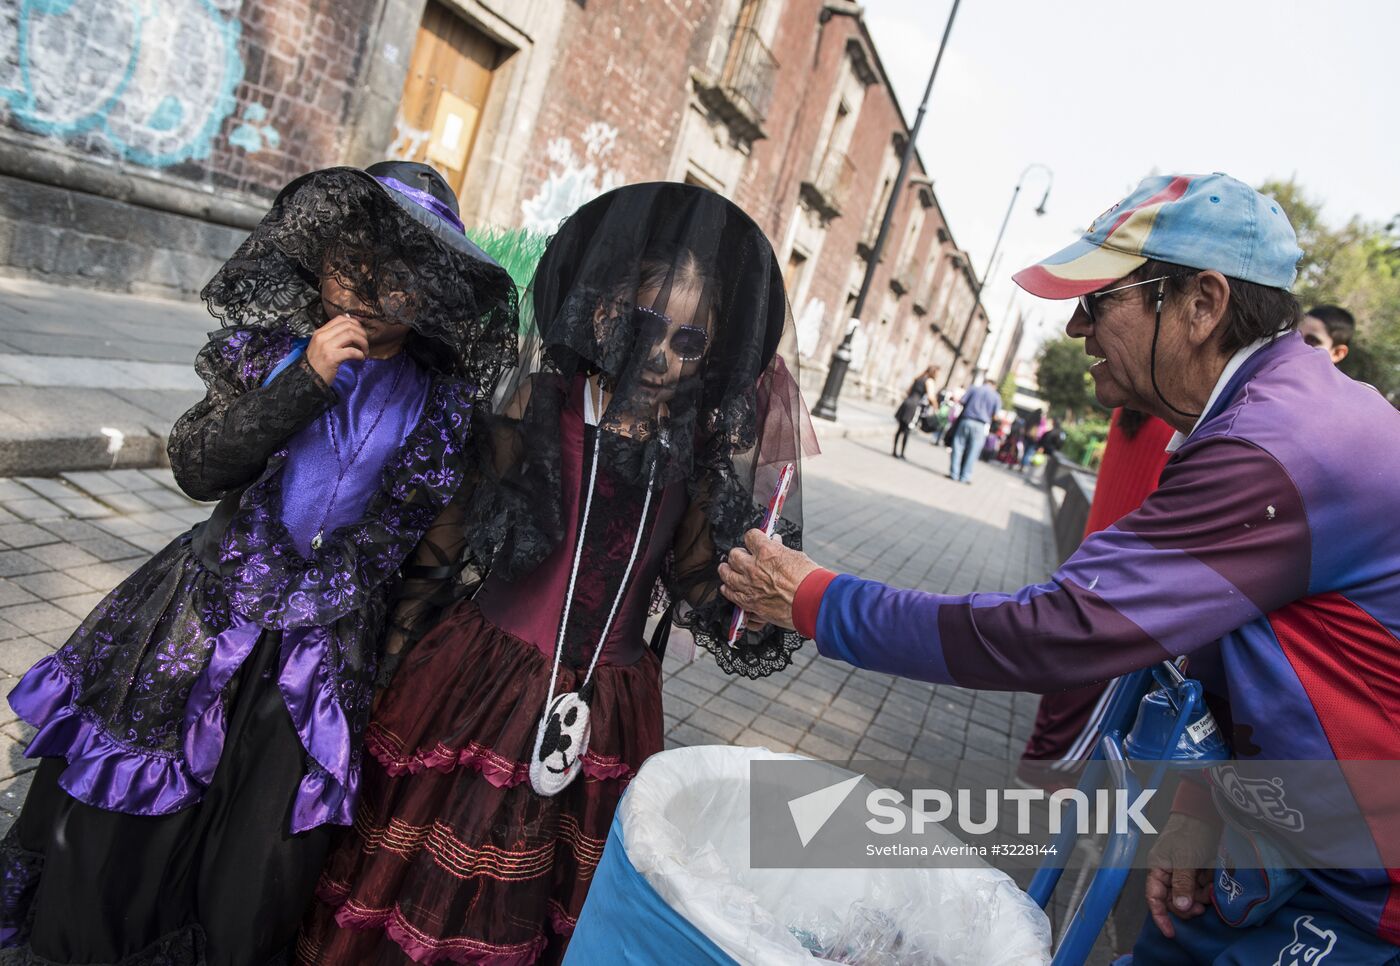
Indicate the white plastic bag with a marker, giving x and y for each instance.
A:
(685, 820)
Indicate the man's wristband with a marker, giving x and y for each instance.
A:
(807, 602)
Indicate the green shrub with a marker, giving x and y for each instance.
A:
(1084, 442)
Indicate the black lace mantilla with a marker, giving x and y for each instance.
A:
(341, 222)
(671, 297)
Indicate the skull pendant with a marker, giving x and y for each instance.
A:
(560, 741)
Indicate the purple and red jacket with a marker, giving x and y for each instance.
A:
(1270, 554)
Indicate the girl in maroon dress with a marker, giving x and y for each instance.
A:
(650, 416)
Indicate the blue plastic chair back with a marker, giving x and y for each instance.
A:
(1156, 714)
(624, 920)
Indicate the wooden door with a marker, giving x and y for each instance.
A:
(444, 94)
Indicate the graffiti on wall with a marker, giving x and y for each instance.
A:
(410, 143)
(150, 80)
(572, 180)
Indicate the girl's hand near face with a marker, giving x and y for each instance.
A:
(340, 340)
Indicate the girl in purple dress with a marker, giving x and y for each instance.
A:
(200, 732)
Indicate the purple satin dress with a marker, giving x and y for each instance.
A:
(380, 402)
(333, 467)
(379, 397)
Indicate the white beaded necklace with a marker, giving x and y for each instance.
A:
(565, 723)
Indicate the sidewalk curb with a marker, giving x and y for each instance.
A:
(70, 454)
(826, 430)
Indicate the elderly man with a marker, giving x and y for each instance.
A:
(1270, 554)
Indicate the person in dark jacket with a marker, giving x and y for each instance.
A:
(915, 402)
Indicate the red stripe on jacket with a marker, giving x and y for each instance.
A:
(1327, 638)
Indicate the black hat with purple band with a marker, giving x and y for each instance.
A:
(424, 195)
(419, 191)
(396, 225)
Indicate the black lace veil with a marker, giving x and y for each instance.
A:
(407, 258)
(673, 298)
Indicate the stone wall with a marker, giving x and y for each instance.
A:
(73, 237)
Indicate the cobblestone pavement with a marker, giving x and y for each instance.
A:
(65, 542)
(907, 524)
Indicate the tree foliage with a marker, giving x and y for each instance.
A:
(1008, 391)
(1356, 266)
(1063, 375)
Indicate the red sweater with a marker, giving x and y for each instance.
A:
(1128, 472)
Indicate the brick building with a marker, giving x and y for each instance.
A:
(136, 150)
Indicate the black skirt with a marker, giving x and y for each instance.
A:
(222, 883)
(908, 409)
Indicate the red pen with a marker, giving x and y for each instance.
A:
(770, 525)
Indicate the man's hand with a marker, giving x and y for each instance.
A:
(1179, 875)
(764, 578)
(341, 339)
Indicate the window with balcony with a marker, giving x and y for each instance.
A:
(923, 291)
(889, 170)
(825, 190)
(902, 278)
(736, 83)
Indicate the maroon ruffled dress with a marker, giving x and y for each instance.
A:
(453, 856)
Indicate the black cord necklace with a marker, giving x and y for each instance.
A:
(1157, 331)
(344, 466)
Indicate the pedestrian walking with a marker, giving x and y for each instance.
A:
(651, 412)
(200, 732)
(913, 406)
(1034, 430)
(979, 408)
(1258, 556)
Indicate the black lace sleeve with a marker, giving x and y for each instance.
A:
(692, 582)
(224, 441)
(429, 585)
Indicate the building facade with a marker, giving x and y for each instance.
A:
(138, 145)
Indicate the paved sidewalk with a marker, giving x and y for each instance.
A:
(92, 380)
(906, 523)
(64, 543)
(856, 419)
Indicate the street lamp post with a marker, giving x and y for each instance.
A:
(992, 259)
(841, 358)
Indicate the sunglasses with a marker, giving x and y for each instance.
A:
(688, 342)
(1086, 302)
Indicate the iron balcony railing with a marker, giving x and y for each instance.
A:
(737, 83)
(747, 75)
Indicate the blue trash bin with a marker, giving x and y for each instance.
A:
(675, 886)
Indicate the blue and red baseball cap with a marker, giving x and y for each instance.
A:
(1205, 221)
